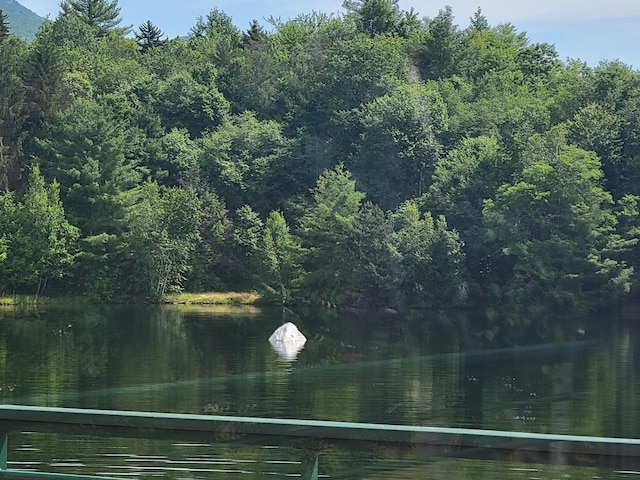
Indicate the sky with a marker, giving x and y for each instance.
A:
(588, 30)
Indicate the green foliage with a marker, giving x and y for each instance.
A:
(254, 35)
(44, 70)
(89, 150)
(4, 26)
(102, 15)
(279, 256)
(183, 102)
(3, 248)
(492, 51)
(628, 214)
(174, 159)
(216, 41)
(247, 231)
(149, 36)
(249, 162)
(397, 148)
(492, 171)
(376, 17)
(467, 176)
(376, 67)
(359, 70)
(556, 226)
(163, 231)
(38, 241)
(596, 129)
(431, 259)
(12, 99)
(210, 260)
(440, 54)
(325, 231)
(376, 265)
(538, 62)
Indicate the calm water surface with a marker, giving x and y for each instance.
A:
(432, 369)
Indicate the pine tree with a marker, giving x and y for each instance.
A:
(376, 17)
(4, 26)
(150, 36)
(326, 230)
(103, 15)
(255, 34)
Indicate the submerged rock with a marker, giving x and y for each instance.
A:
(287, 341)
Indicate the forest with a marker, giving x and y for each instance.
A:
(371, 158)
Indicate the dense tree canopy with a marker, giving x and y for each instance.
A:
(370, 158)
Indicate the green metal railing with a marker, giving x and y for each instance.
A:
(309, 436)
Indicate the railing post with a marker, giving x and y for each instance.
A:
(310, 467)
(4, 440)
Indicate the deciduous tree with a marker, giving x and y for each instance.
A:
(279, 257)
(556, 225)
(431, 270)
(248, 161)
(184, 102)
(397, 149)
(39, 241)
(163, 231)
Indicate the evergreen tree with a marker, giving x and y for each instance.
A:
(149, 36)
(254, 35)
(327, 230)
(12, 99)
(376, 17)
(89, 151)
(479, 22)
(442, 48)
(4, 25)
(375, 262)
(103, 15)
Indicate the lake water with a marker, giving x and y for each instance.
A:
(432, 369)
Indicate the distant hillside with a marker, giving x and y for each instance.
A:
(22, 21)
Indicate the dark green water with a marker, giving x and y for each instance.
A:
(429, 370)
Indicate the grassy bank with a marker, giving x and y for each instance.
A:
(7, 300)
(215, 298)
(209, 298)
(39, 300)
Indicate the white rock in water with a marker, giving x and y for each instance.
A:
(287, 341)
